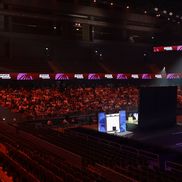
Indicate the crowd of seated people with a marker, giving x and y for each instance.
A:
(54, 102)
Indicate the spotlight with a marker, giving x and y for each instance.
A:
(77, 25)
(127, 7)
(171, 14)
(165, 12)
(156, 9)
(163, 71)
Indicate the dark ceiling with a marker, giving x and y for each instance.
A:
(170, 5)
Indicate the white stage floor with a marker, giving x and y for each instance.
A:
(123, 134)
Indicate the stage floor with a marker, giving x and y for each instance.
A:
(168, 138)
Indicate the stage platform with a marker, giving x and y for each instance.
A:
(167, 138)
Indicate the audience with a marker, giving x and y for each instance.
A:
(45, 103)
(54, 102)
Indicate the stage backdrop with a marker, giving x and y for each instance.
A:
(112, 122)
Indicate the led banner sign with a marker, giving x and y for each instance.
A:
(86, 76)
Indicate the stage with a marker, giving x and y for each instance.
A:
(170, 138)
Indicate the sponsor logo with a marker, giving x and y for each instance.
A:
(179, 48)
(121, 76)
(44, 76)
(93, 76)
(135, 76)
(168, 48)
(5, 76)
(61, 76)
(158, 76)
(146, 76)
(109, 76)
(79, 76)
(172, 76)
(24, 76)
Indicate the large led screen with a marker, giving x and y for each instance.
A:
(157, 107)
(112, 122)
(115, 122)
